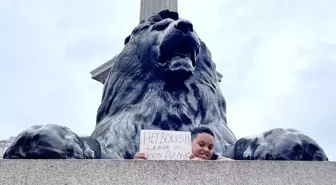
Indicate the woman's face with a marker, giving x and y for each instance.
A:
(202, 146)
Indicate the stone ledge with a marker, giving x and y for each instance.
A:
(165, 172)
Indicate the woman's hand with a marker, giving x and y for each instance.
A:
(140, 156)
(193, 157)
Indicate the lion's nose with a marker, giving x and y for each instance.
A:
(184, 26)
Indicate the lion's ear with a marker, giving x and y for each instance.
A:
(127, 39)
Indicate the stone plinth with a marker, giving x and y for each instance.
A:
(165, 172)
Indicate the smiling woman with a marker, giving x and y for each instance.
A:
(203, 144)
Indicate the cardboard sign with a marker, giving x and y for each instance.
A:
(165, 145)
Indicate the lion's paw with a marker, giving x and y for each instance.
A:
(51, 142)
(279, 144)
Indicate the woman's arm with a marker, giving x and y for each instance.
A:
(220, 158)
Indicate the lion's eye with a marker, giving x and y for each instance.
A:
(161, 25)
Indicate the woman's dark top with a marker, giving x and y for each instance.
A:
(214, 156)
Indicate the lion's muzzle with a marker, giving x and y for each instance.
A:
(179, 49)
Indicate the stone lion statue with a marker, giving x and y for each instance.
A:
(164, 78)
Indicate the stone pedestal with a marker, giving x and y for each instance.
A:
(165, 172)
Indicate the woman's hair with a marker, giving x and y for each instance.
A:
(201, 130)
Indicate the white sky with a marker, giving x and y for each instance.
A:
(278, 58)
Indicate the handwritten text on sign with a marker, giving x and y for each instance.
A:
(165, 145)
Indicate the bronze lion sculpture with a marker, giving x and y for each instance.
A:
(164, 78)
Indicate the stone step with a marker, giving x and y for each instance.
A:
(73, 172)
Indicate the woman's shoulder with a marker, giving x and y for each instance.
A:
(217, 157)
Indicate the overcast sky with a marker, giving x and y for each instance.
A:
(277, 57)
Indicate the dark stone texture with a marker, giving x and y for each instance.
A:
(279, 144)
(164, 78)
(52, 142)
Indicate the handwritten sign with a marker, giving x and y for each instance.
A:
(165, 145)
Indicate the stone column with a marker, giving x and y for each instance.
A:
(148, 7)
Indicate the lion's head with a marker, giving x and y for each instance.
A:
(164, 78)
(171, 44)
(167, 48)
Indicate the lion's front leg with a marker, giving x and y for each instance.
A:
(52, 142)
(118, 148)
(118, 139)
(279, 144)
